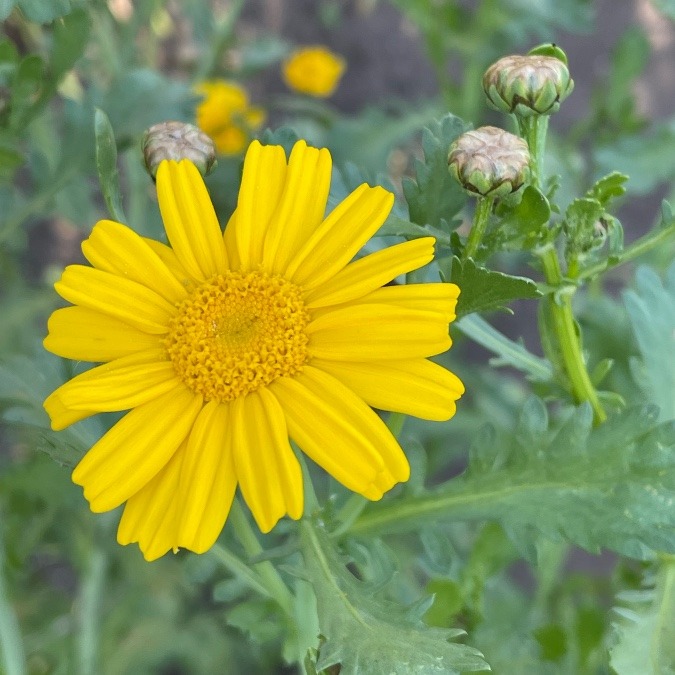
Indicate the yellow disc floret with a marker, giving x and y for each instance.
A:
(238, 332)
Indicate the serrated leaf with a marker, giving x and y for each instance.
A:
(608, 187)
(519, 225)
(609, 487)
(28, 82)
(483, 289)
(435, 195)
(366, 636)
(643, 639)
(651, 311)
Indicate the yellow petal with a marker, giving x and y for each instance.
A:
(87, 335)
(262, 184)
(120, 298)
(230, 241)
(440, 298)
(169, 258)
(190, 220)
(377, 332)
(136, 449)
(115, 248)
(372, 271)
(340, 236)
(62, 417)
(150, 516)
(269, 473)
(417, 387)
(338, 431)
(121, 384)
(208, 479)
(301, 207)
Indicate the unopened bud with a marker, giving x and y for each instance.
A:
(178, 140)
(527, 85)
(489, 161)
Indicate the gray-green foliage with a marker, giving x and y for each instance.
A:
(369, 636)
(651, 309)
(610, 487)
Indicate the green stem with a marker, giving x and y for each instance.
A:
(648, 242)
(533, 129)
(269, 577)
(564, 328)
(240, 569)
(89, 614)
(11, 642)
(481, 217)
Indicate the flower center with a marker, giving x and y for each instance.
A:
(238, 332)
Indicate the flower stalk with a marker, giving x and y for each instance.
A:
(481, 217)
(268, 575)
(533, 129)
(563, 325)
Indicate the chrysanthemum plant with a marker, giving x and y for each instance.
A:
(276, 378)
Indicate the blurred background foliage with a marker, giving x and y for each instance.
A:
(84, 604)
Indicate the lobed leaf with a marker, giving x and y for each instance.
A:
(610, 487)
(484, 290)
(367, 636)
(435, 195)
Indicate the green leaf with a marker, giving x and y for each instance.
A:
(608, 187)
(435, 195)
(70, 38)
(367, 636)
(606, 487)
(283, 136)
(509, 353)
(483, 290)
(25, 90)
(643, 638)
(521, 225)
(44, 11)
(106, 165)
(651, 310)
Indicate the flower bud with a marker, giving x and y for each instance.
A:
(527, 85)
(178, 140)
(489, 161)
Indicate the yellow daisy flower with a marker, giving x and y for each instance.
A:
(313, 70)
(223, 346)
(226, 115)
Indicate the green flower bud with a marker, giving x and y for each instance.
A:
(527, 85)
(178, 140)
(489, 161)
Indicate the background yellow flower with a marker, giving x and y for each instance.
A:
(226, 115)
(313, 70)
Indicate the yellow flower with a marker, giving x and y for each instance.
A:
(226, 116)
(223, 346)
(313, 70)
